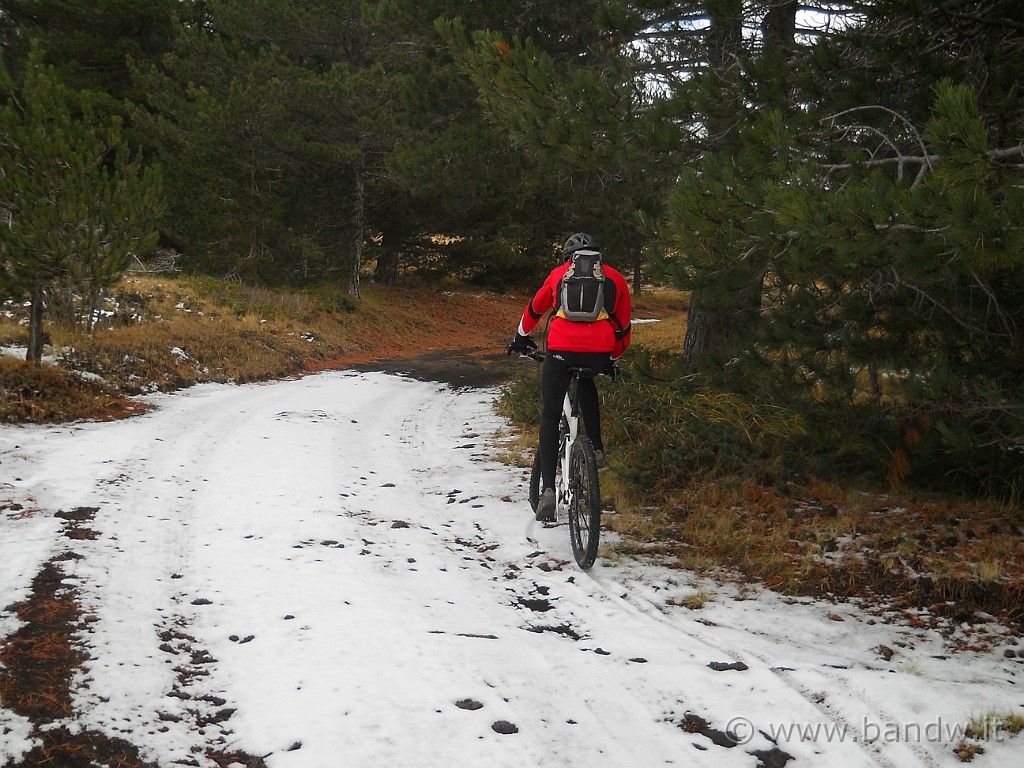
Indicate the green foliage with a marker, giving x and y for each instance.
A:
(451, 186)
(328, 298)
(669, 435)
(520, 401)
(577, 116)
(866, 302)
(853, 240)
(269, 139)
(269, 303)
(672, 434)
(723, 234)
(78, 205)
(89, 42)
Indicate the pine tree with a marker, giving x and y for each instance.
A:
(566, 86)
(876, 209)
(77, 205)
(264, 108)
(90, 42)
(446, 171)
(907, 290)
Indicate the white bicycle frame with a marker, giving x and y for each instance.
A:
(565, 451)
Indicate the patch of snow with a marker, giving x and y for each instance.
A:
(340, 564)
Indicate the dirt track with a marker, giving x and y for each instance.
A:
(459, 368)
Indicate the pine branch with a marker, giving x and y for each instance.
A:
(889, 280)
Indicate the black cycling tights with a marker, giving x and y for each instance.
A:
(554, 381)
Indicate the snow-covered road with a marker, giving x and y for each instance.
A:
(335, 570)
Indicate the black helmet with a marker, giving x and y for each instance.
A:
(579, 242)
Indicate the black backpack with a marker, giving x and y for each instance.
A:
(581, 291)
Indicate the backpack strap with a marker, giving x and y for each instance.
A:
(621, 331)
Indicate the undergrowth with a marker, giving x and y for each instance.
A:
(42, 395)
(705, 481)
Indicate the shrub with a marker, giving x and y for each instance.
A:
(42, 394)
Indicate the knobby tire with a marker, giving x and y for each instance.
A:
(535, 481)
(585, 503)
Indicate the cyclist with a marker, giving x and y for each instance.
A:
(595, 345)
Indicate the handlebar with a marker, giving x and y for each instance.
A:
(538, 355)
(534, 354)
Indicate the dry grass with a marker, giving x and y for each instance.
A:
(995, 725)
(966, 751)
(44, 394)
(163, 334)
(988, 727)
(37, 661)
(667, 334)
(963, 562)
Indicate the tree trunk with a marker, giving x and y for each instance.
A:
(60, 300)
(711, 326)
(706, 330)
(34, 354)
(725, 35)
(387, 265)
(355, 229)
(779, 27)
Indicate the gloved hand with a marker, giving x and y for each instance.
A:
(612, 369)
(521, 345)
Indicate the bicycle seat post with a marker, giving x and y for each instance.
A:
(578, 372)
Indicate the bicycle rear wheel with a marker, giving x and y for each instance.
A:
(585, 503)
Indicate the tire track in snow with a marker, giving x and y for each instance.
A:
(875, 750)
(143, 574)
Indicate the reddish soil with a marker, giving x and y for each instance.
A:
(463, 344)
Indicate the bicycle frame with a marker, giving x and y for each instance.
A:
(568, 430)
(570, 413)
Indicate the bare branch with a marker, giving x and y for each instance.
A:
(1007, 152)
(906, 122)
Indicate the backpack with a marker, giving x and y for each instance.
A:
(581, 291)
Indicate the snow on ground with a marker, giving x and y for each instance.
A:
(335, 570)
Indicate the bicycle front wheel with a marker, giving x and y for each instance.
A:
(585, 503)
(535, 480)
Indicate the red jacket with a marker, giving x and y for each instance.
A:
(611, 335)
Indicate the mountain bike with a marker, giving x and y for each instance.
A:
(577, 488)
